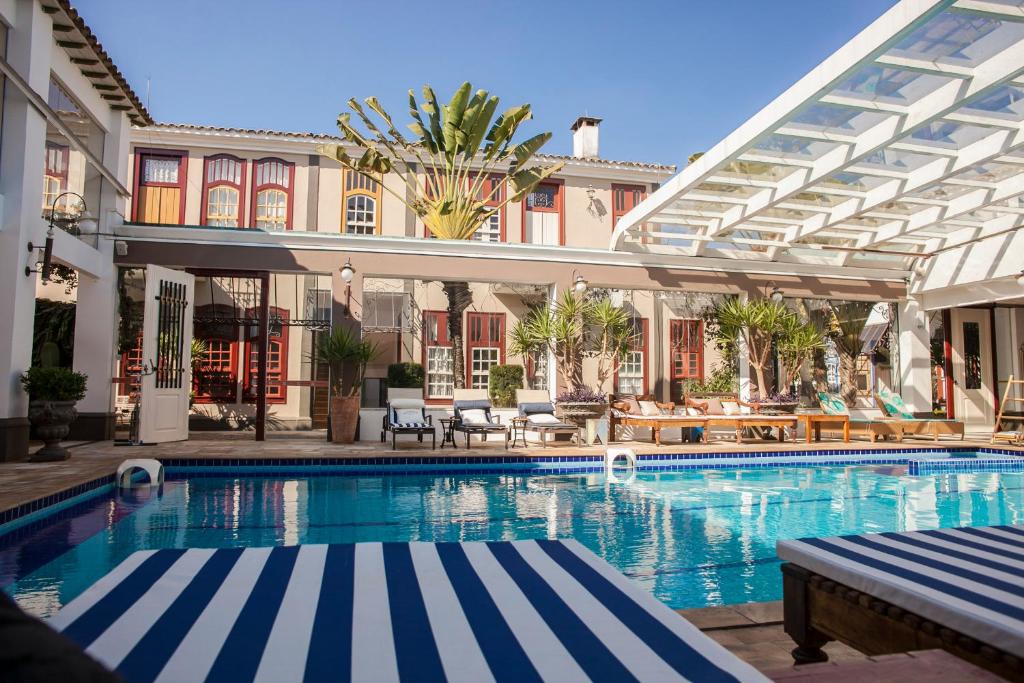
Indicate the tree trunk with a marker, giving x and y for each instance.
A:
(762, 392)
(848, 375)
(459, 299)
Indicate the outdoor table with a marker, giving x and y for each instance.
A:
(813, 422)
(518, 426)
(447, 433)
(507, 611)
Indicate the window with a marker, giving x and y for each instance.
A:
(160, 186)
(485, 347)
(55, 175)
(277, 358)
(437, 355)
(361, 197)
(493, 229)
(631, 376)
(215, 373)
(972, 355)
(686, 340)
(624, 198)
(542, 215)
(272, 194)
(222, 191)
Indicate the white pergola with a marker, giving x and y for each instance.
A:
(905, 143)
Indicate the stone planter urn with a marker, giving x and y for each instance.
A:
(344, 418)
(578, 413)
(52, 422)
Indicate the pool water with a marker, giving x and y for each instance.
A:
(692, 538)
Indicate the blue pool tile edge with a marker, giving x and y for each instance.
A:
(42, 508)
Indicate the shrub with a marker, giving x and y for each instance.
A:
(406, 376)
(502, 383)
(54, 384)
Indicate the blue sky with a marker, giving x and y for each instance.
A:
(669, 78)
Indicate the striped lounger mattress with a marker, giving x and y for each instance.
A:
(970, 580)
(473, 612)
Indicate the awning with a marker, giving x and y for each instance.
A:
(906, 141)
(473, 612)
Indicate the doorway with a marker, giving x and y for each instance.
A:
(972, 366)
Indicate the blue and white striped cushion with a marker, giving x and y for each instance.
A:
(411, 425)
(504, 611)
(968, 579)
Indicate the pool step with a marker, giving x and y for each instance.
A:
(916, 467)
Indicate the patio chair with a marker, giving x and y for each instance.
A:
(892, 405)
(868, 425)
(537, 414)
(952, 589)
(473, 415)
(406, 413)
(1002, 431)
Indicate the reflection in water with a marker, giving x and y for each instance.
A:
(691, 538)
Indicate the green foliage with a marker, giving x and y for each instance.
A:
(502, 382)
(347, 355)
(760, 324)
(54, 324)
(575, 328)
(460, 144)
(722, 380)
(54, 384)
(406, 376)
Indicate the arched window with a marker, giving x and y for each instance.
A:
(272, 183)
(222, 191)
(361, 197)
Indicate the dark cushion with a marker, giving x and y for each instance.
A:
(32, 651)
(535, 408)
(474, 404)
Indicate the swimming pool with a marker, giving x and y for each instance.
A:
(693, 538)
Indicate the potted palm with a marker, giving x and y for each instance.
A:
(347, 356)
(53, 392)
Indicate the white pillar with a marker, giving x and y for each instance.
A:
(1006, 353)
(743, 362)
(29, 42)
(915, 356)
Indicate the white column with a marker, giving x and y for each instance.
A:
(1006, 354)
(29, 41)
(743, 362)
(552, 369)
(96, 311)
(915, 356)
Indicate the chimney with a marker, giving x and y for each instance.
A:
(585, 138)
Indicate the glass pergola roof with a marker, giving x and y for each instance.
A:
(908, 140)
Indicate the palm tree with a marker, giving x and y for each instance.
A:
(850, 319)
(472, 168)
(758, 322)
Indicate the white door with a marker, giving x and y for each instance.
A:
(972, 366)
(166, 351)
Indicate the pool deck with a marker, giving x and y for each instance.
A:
(23, 482)
(752, 631)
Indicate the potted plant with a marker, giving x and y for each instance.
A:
(580, 404)
(576, 327)
(347, 356)
(53, 393)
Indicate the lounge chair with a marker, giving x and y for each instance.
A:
(406, 413)
(954, 589)
(1002, 432)
(892, 405)
(874, 427)
(473, 415)
(628, 410)
(540, 610)
(728, 410)
(537, 414)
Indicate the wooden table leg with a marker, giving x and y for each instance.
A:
(846, 431)
(808, 428)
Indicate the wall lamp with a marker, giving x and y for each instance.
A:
(86, 224)
(775, 294)
(347, 271)
(579, 284)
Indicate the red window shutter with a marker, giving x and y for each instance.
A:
(624, 199)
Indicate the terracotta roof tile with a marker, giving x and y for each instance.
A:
(323, 137)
